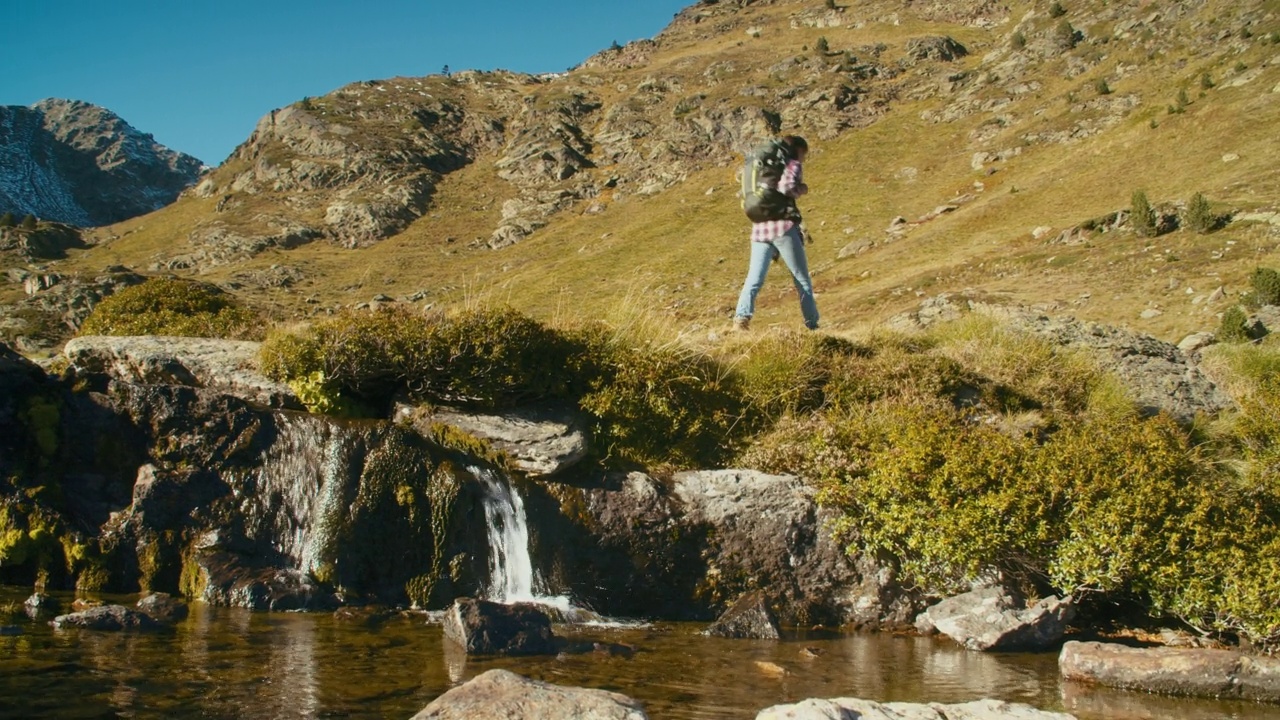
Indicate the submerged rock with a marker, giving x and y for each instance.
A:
(41, 602)
(1173, 671)
(163, 607)
(107, 617)
(855, 709)
(991, 619)
(490, 628)
(749, 617)
(504, 694)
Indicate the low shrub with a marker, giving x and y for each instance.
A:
(1199, 216)
(169, 306)
(1234, 326)
(1266, 286)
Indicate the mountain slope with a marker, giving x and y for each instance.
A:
(999, 132)
(77, 163)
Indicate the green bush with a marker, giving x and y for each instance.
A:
(166, 306)
(481, 358)
(7, 220)
(1056, 10)
(1141, 215)
(1266, 286)
(1234, 327)
(657, 405)
(1198, 215)
(1019, 40)
(1101, 87)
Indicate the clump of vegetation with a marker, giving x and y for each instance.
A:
(1234, 327)
(167, 306)
(1018, 41)
(822, 46)
(1056, 10)
(7, 220)
(1141, 215)
(1266, 287)
(1199, 216)
(1101, 87)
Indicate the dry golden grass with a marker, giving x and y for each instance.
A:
(682, 253)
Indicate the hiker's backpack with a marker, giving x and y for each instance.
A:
(760, 175)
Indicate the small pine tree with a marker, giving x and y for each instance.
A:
(831, 4)
(1266, 286)
(1141, 216)
(1234, 327)
(1182, 100)
(29, 222)
(1206, 82)
(1102, 87)
(822, 46)
(1199, 215)
(1019, 41)
(1066, 35)
(7, 220)
(1056, 10)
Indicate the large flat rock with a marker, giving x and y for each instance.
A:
(504, 694)
(856, 709)
(230, 366)
(1195, 672)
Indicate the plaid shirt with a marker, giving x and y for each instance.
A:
(792, 185)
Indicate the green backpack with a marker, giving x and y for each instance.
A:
(760, 175)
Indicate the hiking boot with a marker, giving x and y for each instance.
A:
(741, 323)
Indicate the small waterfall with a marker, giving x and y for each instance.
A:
(511, 574)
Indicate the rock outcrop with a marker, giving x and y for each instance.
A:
(229, 366)
(1173, 671)
(631, 545)
(504, 694)
(77, 163)
(990, 619)
(541, 441)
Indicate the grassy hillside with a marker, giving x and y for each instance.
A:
(1072, 151)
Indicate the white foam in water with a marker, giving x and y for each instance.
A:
(512, 578)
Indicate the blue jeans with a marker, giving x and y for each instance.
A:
(791, 247)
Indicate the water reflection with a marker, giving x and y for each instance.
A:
(222, 663)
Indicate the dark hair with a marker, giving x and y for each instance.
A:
(796, 143)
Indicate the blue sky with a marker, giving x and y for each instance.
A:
(198, 74)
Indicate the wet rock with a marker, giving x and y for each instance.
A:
(163, 608)
(849, 708)
(39, 602)
(749, 617)
(990, 619)
(1173, 671)
(504, 694)
(227, 365)
(541, 440)
(107, 618)
(232, 580)
(488, 628)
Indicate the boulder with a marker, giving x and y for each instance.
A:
(855, 709)
(504, 694)
(1173, 671)
(749, 617)
(107, 617)
(232, 580)
(991, 619)
(40, 602)
(541, 440)
(489, 628)
(230, 366)
(163, 608)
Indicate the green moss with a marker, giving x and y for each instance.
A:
(43, 420)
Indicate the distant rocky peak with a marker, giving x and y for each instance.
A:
(75, 162)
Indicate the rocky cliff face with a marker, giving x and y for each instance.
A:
(81, 164)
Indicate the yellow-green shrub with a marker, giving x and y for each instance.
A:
(480, 358)
(168, 306)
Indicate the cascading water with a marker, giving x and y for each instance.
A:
(511, 574)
